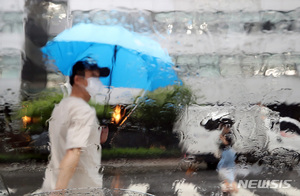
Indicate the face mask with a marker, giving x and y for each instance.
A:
(94, 86)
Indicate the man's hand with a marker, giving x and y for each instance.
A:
(104, 134)
(223, 139)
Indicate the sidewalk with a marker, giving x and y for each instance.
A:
(27, 177)
(136, 165)
(163, 163)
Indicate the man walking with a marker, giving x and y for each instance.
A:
(75, 134)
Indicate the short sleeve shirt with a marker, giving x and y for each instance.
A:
(74, 124)
(227, 159)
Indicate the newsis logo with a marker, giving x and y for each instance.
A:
(264, 184)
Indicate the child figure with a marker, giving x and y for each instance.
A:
(226, 166)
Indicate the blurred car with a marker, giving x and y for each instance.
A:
(260, 135)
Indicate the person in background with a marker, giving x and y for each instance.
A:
(75, 134)
(226, 165)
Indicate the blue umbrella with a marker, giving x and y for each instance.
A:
(135, 61)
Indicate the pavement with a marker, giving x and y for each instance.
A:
(137, 164)
(160, 177)
(23, 178)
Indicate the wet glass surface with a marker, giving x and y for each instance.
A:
(238, 103)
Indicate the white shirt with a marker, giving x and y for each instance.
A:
(74, 124)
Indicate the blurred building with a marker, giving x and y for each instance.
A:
(43, 20)
(25, 27)
(209, 40)
(11, 51)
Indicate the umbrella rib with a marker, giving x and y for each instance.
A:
(110, 79)
(114, 59)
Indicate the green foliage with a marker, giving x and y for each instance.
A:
(12, 158)
(40, 110)
(141, 153)
(159, 109)
(102, 111)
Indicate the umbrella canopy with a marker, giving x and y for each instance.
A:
(135, 61)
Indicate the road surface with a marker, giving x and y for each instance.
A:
(162, 177)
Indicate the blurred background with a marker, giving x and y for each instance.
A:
(230, 55)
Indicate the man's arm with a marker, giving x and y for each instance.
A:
(67, 168)
(104, 134)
